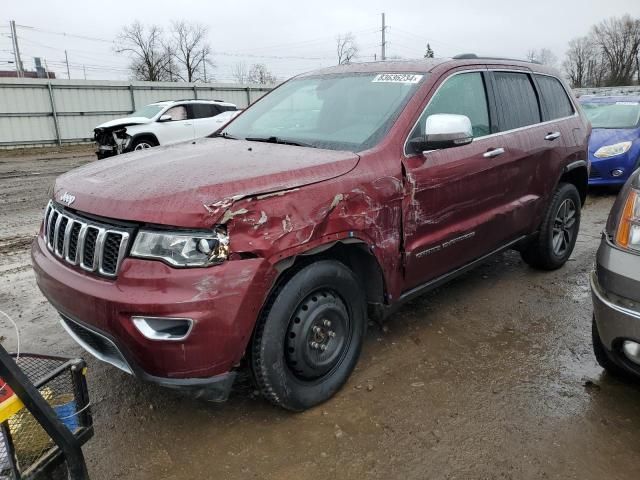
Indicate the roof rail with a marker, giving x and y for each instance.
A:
(473, 56)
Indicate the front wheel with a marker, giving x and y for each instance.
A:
(309, 337)
(558, 232)
(143, 143)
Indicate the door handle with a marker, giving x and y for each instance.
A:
(493, 153)
(552, 136)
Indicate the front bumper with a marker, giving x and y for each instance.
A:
(601, 169)
(616, 300)
(223, 301)
(618, 319)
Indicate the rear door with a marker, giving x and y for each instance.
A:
(538, 145)
(560, 116)
(178, 129)
(455, 199)
(204, 118)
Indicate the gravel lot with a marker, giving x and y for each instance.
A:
(491, 376)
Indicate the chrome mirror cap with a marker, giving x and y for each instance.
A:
(448, 129)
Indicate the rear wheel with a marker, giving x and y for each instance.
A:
(558, 232)
(309, 337)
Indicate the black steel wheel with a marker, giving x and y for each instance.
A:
(318, 335)
(309, 336)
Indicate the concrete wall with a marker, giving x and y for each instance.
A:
(55, 112)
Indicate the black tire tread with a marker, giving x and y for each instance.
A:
(537, 254)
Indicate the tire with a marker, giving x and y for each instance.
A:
(309, 336)
(603, 357)
(558, 232)
(143, 143)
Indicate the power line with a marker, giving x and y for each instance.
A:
(65, 34)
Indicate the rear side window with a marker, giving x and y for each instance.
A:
(554, 97)
(461, 94)
(517, 101)
(204, 110)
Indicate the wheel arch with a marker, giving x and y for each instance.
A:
(577, 174)
(356, 254)
(143, 135)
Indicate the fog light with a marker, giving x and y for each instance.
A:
(632, 351)
(617, 172)
(163, 328)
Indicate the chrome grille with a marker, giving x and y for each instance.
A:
(92, 246)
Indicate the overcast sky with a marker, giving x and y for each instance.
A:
(293, 36)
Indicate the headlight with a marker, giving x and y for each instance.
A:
(612, 150)
(182, 249)
(628, 235)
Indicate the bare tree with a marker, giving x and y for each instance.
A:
(191, 50)
(619, 41)
(543, 56)
(240, 73)
(580, 63)
(261, 75)
(346, 48)
(150, 57)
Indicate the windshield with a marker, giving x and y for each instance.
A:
(337, 112)
(613, 115)
(148, 111)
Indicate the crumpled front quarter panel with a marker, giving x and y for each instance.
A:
(364, 205)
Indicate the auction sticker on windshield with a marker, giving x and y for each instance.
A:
(397, 78)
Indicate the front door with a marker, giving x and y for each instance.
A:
(178, 129)
(455, 198)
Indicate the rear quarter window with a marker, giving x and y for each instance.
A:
(554, 98)
(517, 100)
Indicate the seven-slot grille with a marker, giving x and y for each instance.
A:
(93, 246)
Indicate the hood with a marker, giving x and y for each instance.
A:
(191, 184)
(601, 137)
(123, 122)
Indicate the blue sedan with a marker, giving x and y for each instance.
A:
(614, 148)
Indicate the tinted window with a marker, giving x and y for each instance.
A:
(517, 101)
(204, 110)
(462, 94)
(554, 97)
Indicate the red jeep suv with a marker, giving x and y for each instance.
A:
(335, 198)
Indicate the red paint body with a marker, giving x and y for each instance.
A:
(397, 205)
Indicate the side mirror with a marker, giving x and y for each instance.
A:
(165, 118)
(444, 130)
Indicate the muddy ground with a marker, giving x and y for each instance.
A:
(491, 376)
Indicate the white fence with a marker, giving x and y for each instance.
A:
(56, 112)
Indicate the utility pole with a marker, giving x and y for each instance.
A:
(66, 59)
(383, 55)
(204, 66)
(84, 68)
(16, 49)
(46, 68)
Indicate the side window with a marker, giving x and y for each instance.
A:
(179, 112)
(517, 100)
(554, 97)
(204, 110)
(461, 94)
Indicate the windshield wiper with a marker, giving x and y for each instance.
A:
(282, 141)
